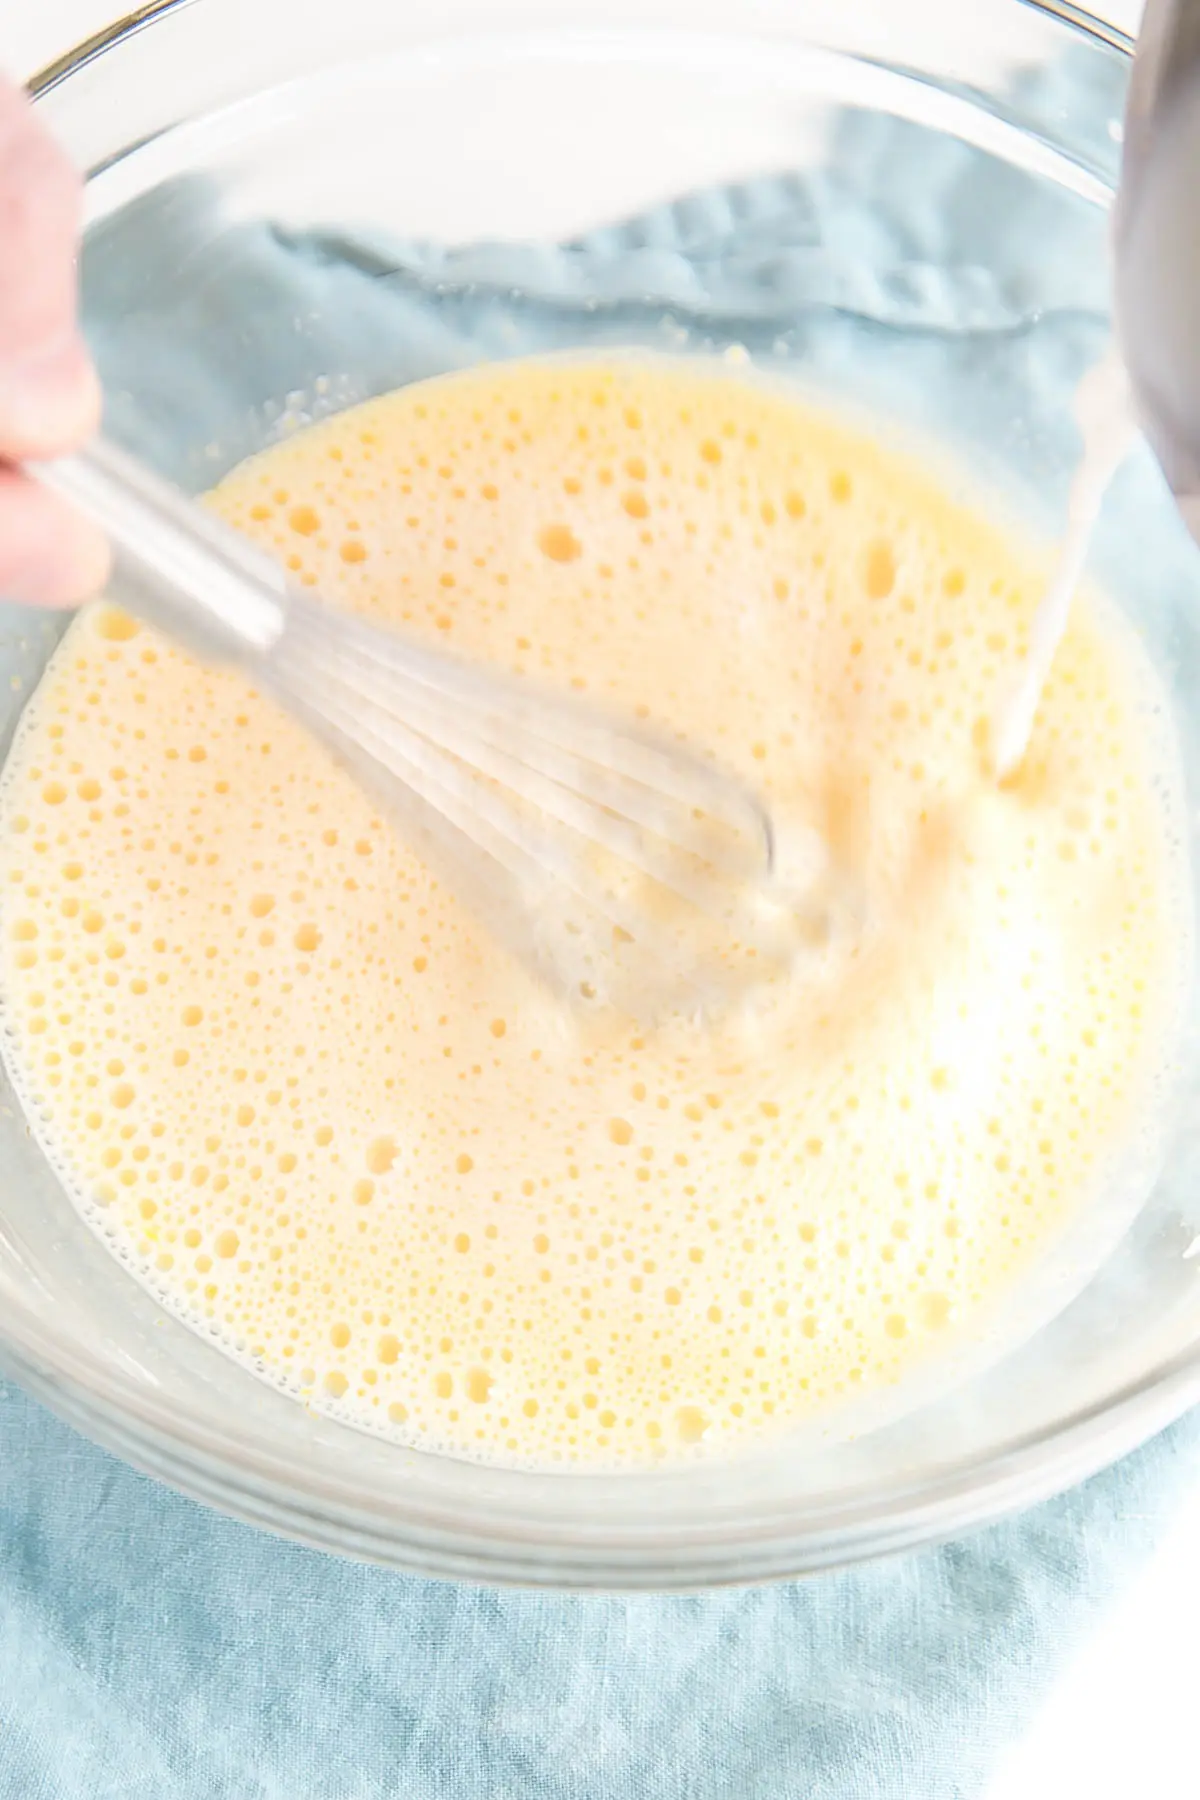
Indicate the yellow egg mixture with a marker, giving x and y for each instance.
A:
(312, 1106)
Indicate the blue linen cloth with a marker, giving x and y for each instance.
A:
(151, 1650)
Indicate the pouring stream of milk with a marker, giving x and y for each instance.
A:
(1104, 412)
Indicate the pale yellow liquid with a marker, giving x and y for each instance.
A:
(316, 1109)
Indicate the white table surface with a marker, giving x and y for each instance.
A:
(1117, 1725)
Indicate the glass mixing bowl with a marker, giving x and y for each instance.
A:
(292, 205)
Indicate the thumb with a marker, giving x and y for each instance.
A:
(49, 396)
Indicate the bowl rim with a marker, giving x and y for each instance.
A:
(258, 1487)
(121, 29)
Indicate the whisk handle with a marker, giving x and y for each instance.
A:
(175, 565)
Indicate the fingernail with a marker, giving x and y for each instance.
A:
(49, 401)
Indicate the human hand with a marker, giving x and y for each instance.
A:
(49, 395)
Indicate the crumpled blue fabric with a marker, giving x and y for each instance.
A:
(152, 1650)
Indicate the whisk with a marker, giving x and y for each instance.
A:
(626, 870)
